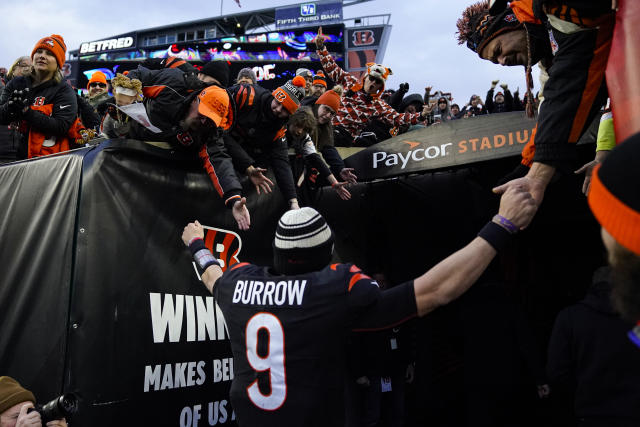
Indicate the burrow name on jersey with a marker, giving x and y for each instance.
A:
(255, 292)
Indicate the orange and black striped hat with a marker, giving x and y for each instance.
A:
(291, 93)
(320, 79)
(614, 196)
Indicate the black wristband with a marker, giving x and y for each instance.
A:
(495, 235)
(202, 255)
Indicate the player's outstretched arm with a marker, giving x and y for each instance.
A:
(454, 275)
(192, 236)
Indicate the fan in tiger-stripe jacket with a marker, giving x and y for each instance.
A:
(193, 117)
(361, 102)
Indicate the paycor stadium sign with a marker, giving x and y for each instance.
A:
(449, 144)
(107, 45)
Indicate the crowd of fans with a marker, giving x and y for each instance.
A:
(242, 131)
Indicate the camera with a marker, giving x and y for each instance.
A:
(61, 407)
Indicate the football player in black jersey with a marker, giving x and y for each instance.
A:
(287, 324)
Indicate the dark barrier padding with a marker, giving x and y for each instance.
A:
(124, 356)
(38, 204)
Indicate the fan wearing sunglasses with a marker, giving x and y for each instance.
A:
(98, 89)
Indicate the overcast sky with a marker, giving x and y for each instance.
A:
(422, 49)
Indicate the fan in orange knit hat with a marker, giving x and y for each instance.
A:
(55, 44)
(331, 98)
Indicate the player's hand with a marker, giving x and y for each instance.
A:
(535, 182)
(494, 83)
(341, 189)
(191, 231)
(346, 174)
(256, 175)
(518, 206)
(319, 39)
(504, 86)
(241, 214)
(428, 89)
(28, 419)
(588, 170)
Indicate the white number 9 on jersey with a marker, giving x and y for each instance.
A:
(273, 361)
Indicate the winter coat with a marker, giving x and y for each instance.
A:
(591, 358)
(168, 94)
(359, 108)
(493, 107)
(580, 34)
(256, 138)
(44, 126)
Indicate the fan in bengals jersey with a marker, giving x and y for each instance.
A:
(287, 323)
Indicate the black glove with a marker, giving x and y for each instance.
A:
(18, 101)
(404, 87)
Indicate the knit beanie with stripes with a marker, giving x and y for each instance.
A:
(614, 196)
(303, 242)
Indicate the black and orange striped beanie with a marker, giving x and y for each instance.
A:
(614, 197)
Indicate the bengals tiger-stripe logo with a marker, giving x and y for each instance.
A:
(363, 38)
(225, 245)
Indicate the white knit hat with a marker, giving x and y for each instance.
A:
(303, 242)
(301, 228)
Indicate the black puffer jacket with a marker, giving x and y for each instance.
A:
(168, 95)
(256, 138)
(52, 128)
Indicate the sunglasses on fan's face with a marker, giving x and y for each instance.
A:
(96, 84)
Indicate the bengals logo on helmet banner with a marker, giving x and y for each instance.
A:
(225, 245)
(363, 38)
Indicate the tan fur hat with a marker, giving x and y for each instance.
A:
(126, 86)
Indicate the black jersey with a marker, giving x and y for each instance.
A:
(287, 336)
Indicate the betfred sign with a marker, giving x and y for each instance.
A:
(107, 45)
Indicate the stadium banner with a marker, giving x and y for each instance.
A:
(145, 331)
(445, 145)
(311, 13)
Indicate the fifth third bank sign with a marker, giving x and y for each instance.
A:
(306, 14)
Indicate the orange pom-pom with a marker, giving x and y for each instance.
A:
(299, 81)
